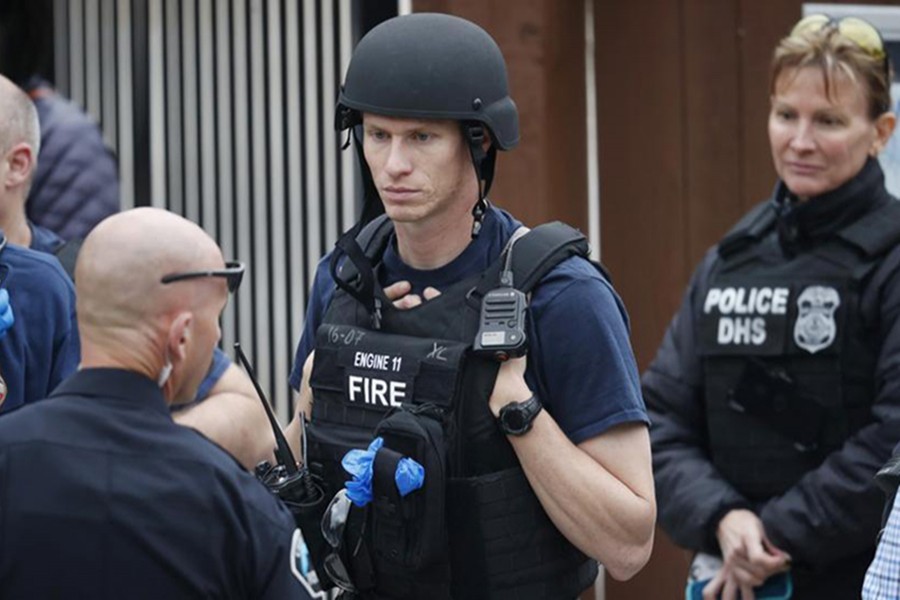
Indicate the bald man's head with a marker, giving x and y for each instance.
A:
(125, 312)
(18, 118)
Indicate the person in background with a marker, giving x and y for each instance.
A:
(233, 416)
(40, 344)
(76, 184)
(104, 496)
(775, 395)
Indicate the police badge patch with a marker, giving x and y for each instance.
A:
(815, 328)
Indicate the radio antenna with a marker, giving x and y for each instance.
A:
(283, 453)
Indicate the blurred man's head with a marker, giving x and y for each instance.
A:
(130, 318)
(20, 142)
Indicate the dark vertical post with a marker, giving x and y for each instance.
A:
(140, 65)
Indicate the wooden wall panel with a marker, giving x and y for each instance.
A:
(712, 108)
(641, 108)
(762, 26)
(642, 171)
(544, 178)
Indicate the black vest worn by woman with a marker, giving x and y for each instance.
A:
(788, 358)
(477, 530)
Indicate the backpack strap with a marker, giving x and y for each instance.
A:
(67, 254)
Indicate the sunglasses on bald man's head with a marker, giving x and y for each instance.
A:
(232, 273)
(859, 31)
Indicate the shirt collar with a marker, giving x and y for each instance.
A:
(823, 215)
(114, 384)
(43, 239)
(473, 259)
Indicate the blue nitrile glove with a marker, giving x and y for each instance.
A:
(409, 476)
(6, 313)
(358, 463)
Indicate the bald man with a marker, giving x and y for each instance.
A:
(230, 413)
(103, 495)
(42, 347)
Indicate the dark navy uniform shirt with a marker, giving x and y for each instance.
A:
(102, 495)
(42, 347)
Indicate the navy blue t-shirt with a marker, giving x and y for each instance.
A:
(42, 348)
(580, 361)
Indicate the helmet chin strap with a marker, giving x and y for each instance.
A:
(484, 162)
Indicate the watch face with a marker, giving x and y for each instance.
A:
(514, 420)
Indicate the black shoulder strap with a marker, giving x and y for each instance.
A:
(356, 276)
(67, 254)
(541, 249)
(876, 232)
(534, 254)
(753, 226)
(375, 235)
(372, 240)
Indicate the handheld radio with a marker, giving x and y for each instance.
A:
(501, 328)
(284, 479)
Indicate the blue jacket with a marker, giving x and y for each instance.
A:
(76, 184)
(42, 347)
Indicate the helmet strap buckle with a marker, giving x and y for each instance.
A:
(475, 136)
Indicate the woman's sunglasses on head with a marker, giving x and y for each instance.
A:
(859, 31)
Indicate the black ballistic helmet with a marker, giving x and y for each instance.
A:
(424, 66)
(430, 66)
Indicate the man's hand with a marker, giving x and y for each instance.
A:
(399, 294)
(725, 586)
(749, 556)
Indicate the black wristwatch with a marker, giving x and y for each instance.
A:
(516, 418)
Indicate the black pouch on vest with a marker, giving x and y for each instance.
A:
(410, 531)
(360, 377)
(769, 393)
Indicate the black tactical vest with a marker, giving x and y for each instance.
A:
(788, 358)
(485, 534)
